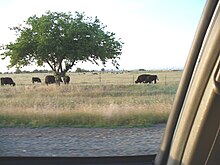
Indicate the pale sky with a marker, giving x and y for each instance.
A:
(157, 33)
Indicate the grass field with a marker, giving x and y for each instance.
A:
(90, 100)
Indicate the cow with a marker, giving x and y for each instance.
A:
(36, 79)
(153, 78)
(66, 79)
(147, 78)
(50, 79)
(143, 78)
(7, 81)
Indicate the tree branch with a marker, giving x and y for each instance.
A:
(54, 69)
(60, 65)
(69, 66)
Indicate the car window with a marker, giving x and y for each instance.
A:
(101, 111)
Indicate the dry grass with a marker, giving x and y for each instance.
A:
(89, 101)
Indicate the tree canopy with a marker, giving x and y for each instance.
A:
(61, 40)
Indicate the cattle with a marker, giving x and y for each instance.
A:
(36, 79)
(153, 78)
(66, 79)
(147, 78)
(7, 81)
(142, 78)
(50, 79)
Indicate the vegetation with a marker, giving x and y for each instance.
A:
(61, 40)
(87, 102)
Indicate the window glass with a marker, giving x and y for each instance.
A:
(103, 111)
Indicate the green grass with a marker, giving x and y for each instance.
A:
(92, 104)
(82, 120)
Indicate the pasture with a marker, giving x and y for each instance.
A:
(90, 100)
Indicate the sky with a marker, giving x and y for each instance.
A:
(157, 34)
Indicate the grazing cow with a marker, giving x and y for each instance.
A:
(7, 81)
(153, 78)
(36, 79)
(50, 79)
(147, 78)
(143, 78)
(66, 79)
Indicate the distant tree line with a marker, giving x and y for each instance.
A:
(18, 71)
(79, 70)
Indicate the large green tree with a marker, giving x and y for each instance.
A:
(61, 40)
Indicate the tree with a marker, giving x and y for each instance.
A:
(81, 70)
(17, 71)
(61, 40)
(103, 69)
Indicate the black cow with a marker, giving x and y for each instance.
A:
(147, 78)
(153, 78)
(50, 79)
(66, 79)
(143, 78)
(36, 79)
(7, 81)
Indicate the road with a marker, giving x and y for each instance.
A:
(80, 142)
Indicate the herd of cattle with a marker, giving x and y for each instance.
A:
(50, 79)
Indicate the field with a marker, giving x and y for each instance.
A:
(90, 100)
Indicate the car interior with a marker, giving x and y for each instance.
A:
(192, 132)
